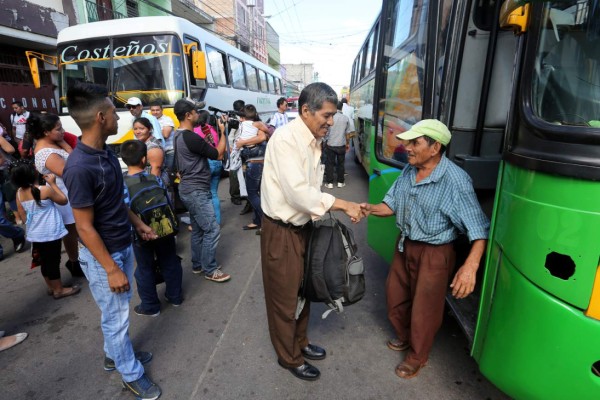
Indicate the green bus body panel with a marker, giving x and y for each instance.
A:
(532, 339)
(538, 214)
(381, 232)
(536, 346)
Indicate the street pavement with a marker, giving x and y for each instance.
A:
(216, 345)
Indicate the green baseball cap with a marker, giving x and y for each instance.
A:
(428, 127)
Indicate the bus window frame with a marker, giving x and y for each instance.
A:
(408, 46)
(225, 65)
(248, 66)
(229, 57)
(264, 90)
(540, 145)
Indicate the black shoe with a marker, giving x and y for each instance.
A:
(247, 208)
(236, 201)
(19, 244)
(306, 371)
(313, 352)
(142, 356)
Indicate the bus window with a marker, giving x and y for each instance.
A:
(277, 85)
(404, 86)
(566, 81)
(238, 76)
(148, 67)
(404, 21)
(197, 86)
(264, 85)
(369, 53)
(252, 76)
(217, 63)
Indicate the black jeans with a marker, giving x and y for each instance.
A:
(335, 157)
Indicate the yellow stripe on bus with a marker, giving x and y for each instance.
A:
(593, 310)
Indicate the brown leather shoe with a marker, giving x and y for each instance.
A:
(397, 345)
(407, 371)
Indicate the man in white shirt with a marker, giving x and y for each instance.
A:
(291, 198)
(136, 108)
(280, 118)
(167, 127)
(18, 119)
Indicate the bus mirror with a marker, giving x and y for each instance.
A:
(199, 64)
(514, 16)
(32, 58)
(35, 72)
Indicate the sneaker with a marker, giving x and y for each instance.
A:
(142, 356)
(341, 184)
(173, 303)
(139, 311)
(143, 388)
(19, 244)
(218, 276)
(329, 185)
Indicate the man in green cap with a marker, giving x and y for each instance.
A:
(433, 201)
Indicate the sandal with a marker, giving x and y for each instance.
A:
(407, 371)
(66, 293)
(397, 345)
(250, 227)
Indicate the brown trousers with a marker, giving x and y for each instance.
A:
(416, 287)
(282, 251)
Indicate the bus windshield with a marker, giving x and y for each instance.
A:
(566, 78)
(148, 67)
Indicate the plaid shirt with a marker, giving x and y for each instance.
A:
(438, 208)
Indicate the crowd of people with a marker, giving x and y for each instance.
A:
(277, 167)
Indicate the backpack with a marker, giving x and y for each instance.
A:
(333, 273)
(149, 201)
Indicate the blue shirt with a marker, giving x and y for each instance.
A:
(94, 179)
(438, 208)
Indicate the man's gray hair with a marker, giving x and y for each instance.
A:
(315, 94)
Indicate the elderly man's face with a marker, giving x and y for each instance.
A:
(319, 121)
(420, 152)
(136, 111)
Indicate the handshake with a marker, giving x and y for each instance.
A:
(356, 211)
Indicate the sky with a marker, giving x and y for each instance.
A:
(326, 33)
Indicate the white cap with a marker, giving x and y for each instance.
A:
(134, 101)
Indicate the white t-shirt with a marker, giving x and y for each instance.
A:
(20, 124)
(248, 130)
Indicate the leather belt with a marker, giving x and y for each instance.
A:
(287, 224)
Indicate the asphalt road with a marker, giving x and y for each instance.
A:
(216, 345)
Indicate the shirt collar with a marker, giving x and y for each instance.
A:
(437, 173)
(90, 150)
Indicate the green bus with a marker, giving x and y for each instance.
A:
(518, 84)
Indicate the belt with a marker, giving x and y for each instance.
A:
(287, 224)
(259, 161)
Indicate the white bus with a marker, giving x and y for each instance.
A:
(158, 58)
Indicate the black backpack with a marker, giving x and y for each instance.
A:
(333, 273)
(149, 201)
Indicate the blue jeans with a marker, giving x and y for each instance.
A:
(170, 266)
(216, 167)
(6, 228)
(115, 311)
(169, 159)
(205, 230)
(253, 178)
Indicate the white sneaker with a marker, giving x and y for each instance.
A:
(329, 185)
(341, 184)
